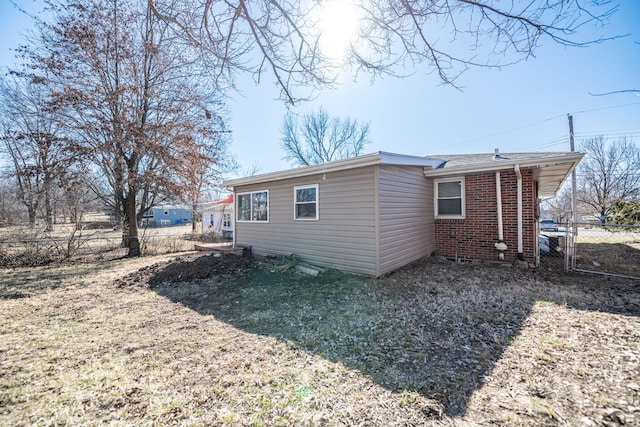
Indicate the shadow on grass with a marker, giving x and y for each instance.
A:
(437, 329)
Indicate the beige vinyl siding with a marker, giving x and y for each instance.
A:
(342, 238)
(406, 226)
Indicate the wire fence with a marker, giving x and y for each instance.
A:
(30, 251)
(611, 249)
(553, 246)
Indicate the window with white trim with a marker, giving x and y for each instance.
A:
(254, 206)
(449, 198)
(226, 220)
(305, 202)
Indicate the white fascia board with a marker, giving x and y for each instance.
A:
(498, 165)
(401, 159)
(338, 165)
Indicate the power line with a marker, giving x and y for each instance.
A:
(606, 108)
(634, 130)
(549, 144)
(543, 144)
(605, 134)
(509, 130)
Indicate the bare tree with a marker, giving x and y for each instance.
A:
(319, 138)
(133, 100)
(9, 203)
(254, 169)
(634, 91)
(559, 208)
(448, 36)
(74, 199)
(608, 173)
(613, 92)
(34, 142)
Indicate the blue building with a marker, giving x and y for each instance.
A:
(165, 215)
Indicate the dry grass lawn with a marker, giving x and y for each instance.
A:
(200, 340)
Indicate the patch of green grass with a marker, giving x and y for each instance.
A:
(409, 397)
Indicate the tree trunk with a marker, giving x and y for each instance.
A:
(131, 226)
(194, 214)
(48, 211)
(32, 210)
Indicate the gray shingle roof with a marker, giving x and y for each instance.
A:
(485, 158)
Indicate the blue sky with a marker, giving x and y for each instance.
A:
(522, 107)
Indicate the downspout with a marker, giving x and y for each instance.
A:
(233, 220)
(519, 190)
(500, 245)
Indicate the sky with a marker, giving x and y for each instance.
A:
(522, 107)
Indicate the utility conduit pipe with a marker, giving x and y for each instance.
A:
(500, 245)
(519, 190)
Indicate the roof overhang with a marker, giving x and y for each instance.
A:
(550, 170)
(379, 158)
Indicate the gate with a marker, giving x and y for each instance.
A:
(554, 243)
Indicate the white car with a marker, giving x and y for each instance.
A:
(548, 225)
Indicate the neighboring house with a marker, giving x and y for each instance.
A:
(217, 217)
(160, 216)
(375, 213)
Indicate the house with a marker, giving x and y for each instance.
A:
(374, 213)
(164, 215)
(217, 217)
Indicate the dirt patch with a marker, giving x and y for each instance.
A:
(202, 340)
(186, 268)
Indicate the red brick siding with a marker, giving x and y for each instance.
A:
(474, 236)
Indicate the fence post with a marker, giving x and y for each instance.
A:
(574, 249)
(567, 246)
(570, 246)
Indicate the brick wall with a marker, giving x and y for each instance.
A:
(474, 237)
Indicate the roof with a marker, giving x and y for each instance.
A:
(550, 168)
(212, 206)
(223, 201)
(378, 158)
(171, 207)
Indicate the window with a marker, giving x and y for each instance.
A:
(253, 206)
(305, 202)
(226, 220)
(449, 198)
